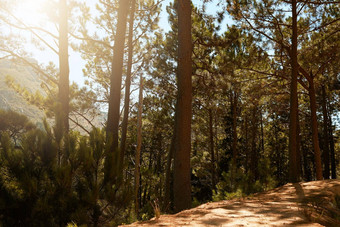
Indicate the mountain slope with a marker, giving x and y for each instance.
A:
(27, 78)
(9, 99)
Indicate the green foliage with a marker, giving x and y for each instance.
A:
(37, 191)
(224, 189)
(236, 183)
(14, 124)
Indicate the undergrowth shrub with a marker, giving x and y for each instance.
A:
(237, 183)
(38, 190)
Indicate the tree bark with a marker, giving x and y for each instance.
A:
(325, 135)
(246, 142)
(332, 146)
(234, 127)
(307, 171)
(216, 140)
(182, 184)
(64, 89)
(293, 169)
(212, 153)
(262, 133)
(127, 83)
(62, 113)
(315, 138)
(112, 165)
(298, 148)
(254, 155)
(139, 145)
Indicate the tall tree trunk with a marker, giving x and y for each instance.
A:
(293, 169)
(277, 148)
(315, 138)
(216, 140)
(307, 175)
(262, 133)
(182, 184)
(112, 165)
(212, 153)
(298, 149)
(139, 145)
(233, 103)
(306, 170)
(62, 115)
(234, 127)
(332, 146)
(64, 64)
(246, 142)
(325, 134)
(127, 83)
(254, 155)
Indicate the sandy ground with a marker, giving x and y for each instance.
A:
(298, 204)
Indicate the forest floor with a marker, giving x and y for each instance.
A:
(301, 204)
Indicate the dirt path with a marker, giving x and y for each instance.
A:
(300, 204)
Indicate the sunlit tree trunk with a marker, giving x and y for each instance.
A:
(315, 137)
(127, 83)
(112, 165)
(314, 122)
(182, 184)
(293, 169)
(62, 116)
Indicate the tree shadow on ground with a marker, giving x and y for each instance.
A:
(280, 207)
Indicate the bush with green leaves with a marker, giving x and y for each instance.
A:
(14, 124)
(37, 190)
(236, 183)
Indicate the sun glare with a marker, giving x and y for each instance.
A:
(30, 11)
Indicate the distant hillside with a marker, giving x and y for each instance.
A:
(9, 99)
(27, 78)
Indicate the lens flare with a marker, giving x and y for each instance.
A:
(31, 12)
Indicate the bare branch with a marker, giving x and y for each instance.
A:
(32, 30)
(79, 125)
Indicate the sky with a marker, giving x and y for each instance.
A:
(75, 60)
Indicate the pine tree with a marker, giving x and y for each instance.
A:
(182, 185)
(112, 163)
